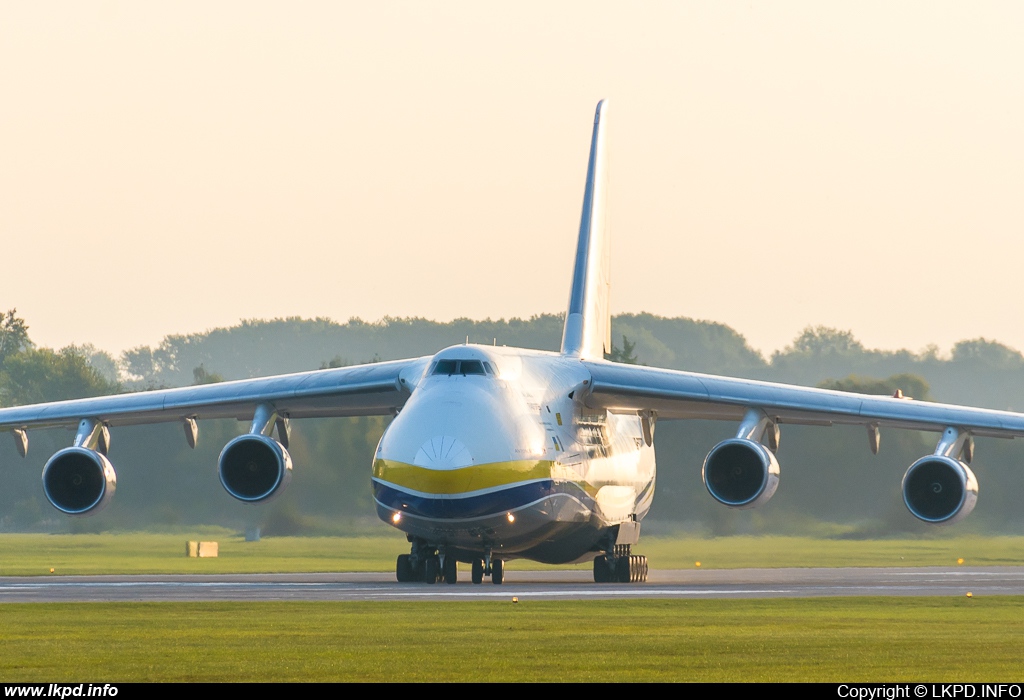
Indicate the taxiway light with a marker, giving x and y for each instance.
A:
(960, 560)
(396, 517)
(969, 594)
(697, 564)
(511, 518)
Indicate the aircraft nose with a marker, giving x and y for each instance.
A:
(443, 452)
(452, 429)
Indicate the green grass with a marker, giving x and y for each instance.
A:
(773, 551)
(147, 553)
(140, 553)
(839, 640)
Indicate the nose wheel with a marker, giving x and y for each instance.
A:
(434, 564)
(404, 571)
(426, 564)
(451, 570)
(431, 569)
(496, 571)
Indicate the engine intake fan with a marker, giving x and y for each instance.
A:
(741, 473)
(79, 481)
(254, 468)
(940, 489)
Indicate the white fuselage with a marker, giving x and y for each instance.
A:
(494, 451)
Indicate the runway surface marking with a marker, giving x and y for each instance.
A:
(525, 585)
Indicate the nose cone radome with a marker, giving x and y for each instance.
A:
(450, 430)
(443, 452)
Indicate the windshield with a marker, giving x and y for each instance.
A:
(463, 367)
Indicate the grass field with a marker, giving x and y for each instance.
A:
(842, 640)
(839, 640)
(137, 553)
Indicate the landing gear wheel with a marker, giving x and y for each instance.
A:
(403, 569)
(637, 568)
(622, 569)
(478, 571)
(451, 569)
(497, 571)
(431, 570)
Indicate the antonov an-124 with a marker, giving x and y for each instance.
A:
(498, 453)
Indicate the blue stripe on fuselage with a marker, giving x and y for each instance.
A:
(493, 503)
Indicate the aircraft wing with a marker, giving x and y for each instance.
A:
(362, 390)
(675, 394)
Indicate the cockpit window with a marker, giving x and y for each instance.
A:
(464, 367)
(445, 367)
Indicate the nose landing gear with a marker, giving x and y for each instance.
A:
(488, 566)
(451, 569)
(426, 564)
(433, 564)
(429, 564)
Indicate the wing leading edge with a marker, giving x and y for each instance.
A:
(362, 390)
(676, 394)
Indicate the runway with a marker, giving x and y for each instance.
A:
(525, 585)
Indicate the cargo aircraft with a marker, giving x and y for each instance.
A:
(498, 453)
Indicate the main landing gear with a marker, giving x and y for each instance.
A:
(426, 564)
(620, 566)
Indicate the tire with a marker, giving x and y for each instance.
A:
(451, 569)
(431, 570)
(622, 570)
(497, 571)
(478, 571)
(403, 569)
(602, 574)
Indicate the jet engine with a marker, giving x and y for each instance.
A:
(254, 468)
(79, 481)
(940, 489)
(741, 473)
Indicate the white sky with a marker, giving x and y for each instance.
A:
(173, 167)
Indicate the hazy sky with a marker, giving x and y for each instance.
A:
(173, 167)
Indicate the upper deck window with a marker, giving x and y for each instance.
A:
(463, 367)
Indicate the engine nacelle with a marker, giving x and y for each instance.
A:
(254, 468)
(741, 473)
(940, 489)
(79, 481)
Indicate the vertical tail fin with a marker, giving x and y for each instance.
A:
(588, 324)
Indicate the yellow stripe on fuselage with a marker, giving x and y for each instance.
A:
(463, 480)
